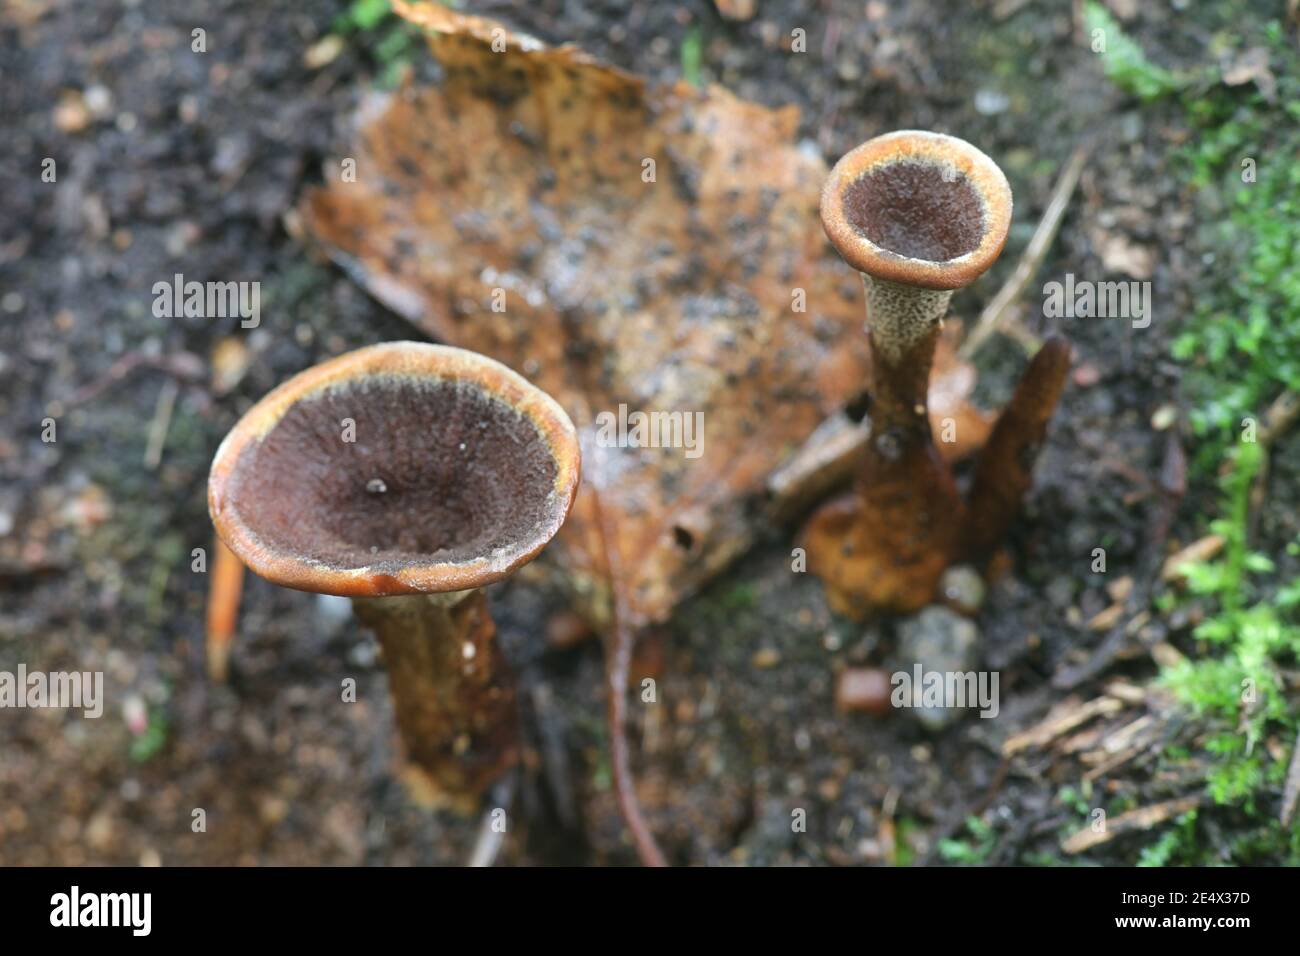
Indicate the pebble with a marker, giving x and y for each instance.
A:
(943, 641)
(71, 115)
(962, 589)
(991, 102)
(863, 690)
(567, 629)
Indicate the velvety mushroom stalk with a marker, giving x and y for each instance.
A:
(453, 693)
(1004, 469)
(408, 476)
(919, 215)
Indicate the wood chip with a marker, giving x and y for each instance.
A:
(1105, 620)
(1062, 719)
(1201, 550)
(1143, 818)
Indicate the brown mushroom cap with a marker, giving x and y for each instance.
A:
(460, 472)
(918, 208)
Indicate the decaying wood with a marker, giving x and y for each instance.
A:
(1063, 718)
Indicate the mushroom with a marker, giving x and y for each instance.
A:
(407, 476)
(919, 215)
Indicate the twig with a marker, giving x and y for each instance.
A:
(185, 366)
(1291, 792)
(1061, 720)
(618, 664)
(162, 421)
(995, 314)
(489, 839)
(1281, 415)
(1143, 818)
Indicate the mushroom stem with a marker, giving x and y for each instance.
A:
(1004, 470)
(903, 479)
(885, 548)
(918, 215)
(226, 588)
(453, 694)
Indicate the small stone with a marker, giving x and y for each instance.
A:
(230, 360)
(273, 810)
(71, 115)
(1060, 592)
(566, 629)
(962, 589)
(99, 100)
(1164, 417)
(1086, 375)
(99, 831)
(329, 613)
(323, 52)
(862, 690)
(940, 641)
(991, 102)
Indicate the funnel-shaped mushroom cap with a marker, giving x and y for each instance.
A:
(395, 469)
(917, 208)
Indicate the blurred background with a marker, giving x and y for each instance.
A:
(170, 161)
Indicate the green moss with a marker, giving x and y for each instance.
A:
(692, 56)
(1122, 59)
(1241, 349)
(972, 850)
(391, 42)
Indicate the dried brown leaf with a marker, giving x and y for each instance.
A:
(521, 179)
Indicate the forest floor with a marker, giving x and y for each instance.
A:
(170, 163)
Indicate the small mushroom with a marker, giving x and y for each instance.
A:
(407, 476)
(919, 215)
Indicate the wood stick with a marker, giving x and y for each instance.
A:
(995, 314)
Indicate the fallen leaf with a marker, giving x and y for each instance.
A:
(1122, 255)
(649, 247)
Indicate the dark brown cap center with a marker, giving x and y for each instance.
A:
(916, 209)
(388, 472)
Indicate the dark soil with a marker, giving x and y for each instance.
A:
(191, 168)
